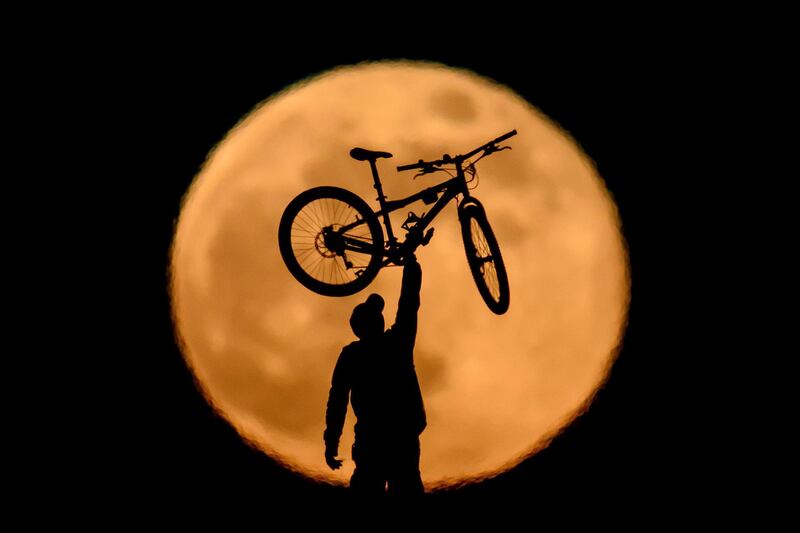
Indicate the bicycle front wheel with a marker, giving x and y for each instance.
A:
(331, 241)
(483, 256)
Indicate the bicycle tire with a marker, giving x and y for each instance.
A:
(303, 244)
(484, 258)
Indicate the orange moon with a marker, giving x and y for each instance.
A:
(496, 388)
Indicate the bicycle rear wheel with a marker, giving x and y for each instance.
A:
(483, 256)
(331, 241)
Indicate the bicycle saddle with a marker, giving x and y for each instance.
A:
(361, 154)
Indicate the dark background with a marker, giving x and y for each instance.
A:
(636, 446)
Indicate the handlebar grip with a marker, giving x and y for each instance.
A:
(412, 166)
(505, 136)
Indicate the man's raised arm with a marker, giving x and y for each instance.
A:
(406, 321)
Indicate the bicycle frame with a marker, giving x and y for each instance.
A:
(393, 250)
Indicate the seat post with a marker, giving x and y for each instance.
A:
(382, 200)
(377, 180)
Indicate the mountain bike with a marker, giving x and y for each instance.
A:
(332, 241)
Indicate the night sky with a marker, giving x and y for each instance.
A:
(177, 103)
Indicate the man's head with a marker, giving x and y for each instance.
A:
(367, 318)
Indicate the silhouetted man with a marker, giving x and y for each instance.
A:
(377, 373)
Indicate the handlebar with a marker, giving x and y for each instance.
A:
(457, 159)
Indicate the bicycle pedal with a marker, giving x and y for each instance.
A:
(411, 221)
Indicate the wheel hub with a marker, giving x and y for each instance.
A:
(329, 242)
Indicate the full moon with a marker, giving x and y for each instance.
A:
(496, 388)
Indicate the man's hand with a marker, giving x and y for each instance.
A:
(410, 260)
(330, 458)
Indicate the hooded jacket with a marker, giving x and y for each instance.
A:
(379, 378)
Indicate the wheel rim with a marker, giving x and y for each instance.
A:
(316, 241)
(484, 260)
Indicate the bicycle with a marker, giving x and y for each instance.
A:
(333, 244)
